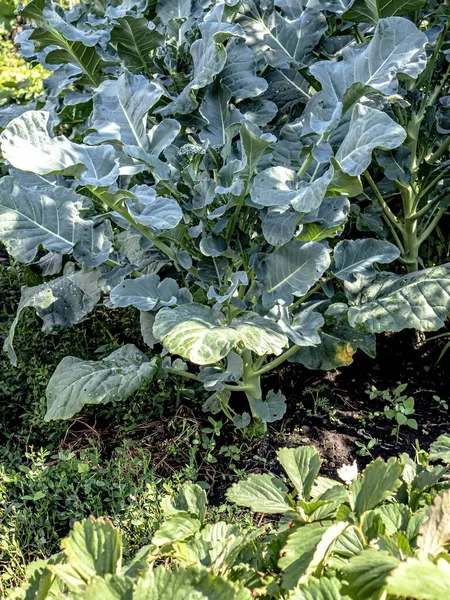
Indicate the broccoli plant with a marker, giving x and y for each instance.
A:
(201, 161)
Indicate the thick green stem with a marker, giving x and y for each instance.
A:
(277, 361)
(387, 211)
(431, 227)
(252, 381)
(439, 152)
(411, 245)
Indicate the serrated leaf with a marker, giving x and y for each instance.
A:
(110, 587)
(380, 480)
(306, 549)
(325, 588)
(302, 466)
(191, 498)
(178, 527)
(366, 573)
(76, 383)
(435, 532)
(420, 579)
(418, 300)
(261, 493)
(359, 256)
(94, 548)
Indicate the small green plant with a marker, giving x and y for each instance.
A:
(441, 403)
(365, 449)
(321, 404)
(382, 534)
(399, 407)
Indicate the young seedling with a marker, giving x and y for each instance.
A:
(398, 408)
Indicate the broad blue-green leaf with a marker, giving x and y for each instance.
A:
(64, 42)
(302, 466)
(396, 47)
(220, 115)
(61, 302)
(306, 549)
(371, 11)
(272, 408)
(239, 73)
(10, 112)
(418, 300)
(27, 144)
(331, 213)
(292, 270)
(359, 256)
(135, 41)
(278, 186)
(51, 219)
(336, 348)
(283, 43)
(162, 135)
(237, 278)
(254, 148)
(146, 292)
(120, 110)
(201, 335)
(153, 211)
(173, 9)
(260, 112)
(279, 224)
(420, 579)
(213, 378)
(369, 129)
(213, 245)
(77, 382)
(261, 493)
(301, 328)
(287, 88)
